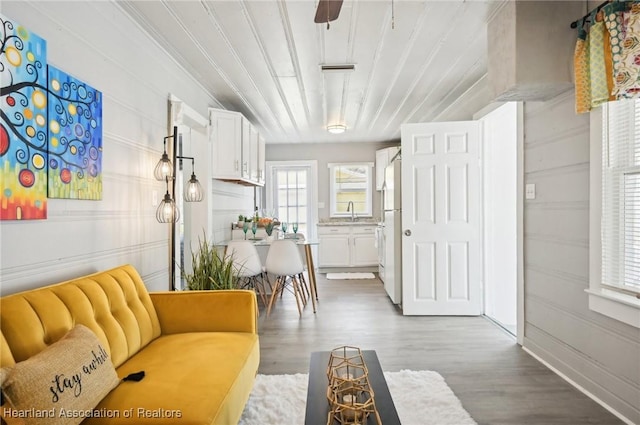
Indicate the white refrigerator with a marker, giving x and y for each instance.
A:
(391, 231)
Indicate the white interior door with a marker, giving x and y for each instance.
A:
(441, 219)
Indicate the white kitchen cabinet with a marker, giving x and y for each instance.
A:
(383, 158)
(225, 136)
(235, 147)
(246, 149)
(334, 248)
(347, 246)
(253, 153)
(261, 160)
(364, 251)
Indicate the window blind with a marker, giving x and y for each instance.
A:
(621, 196)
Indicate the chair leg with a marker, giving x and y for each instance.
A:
(304, 285)
(302, 294)
(265, 275)
(284, 284)
(297, 292)
(259, 288)
(274, 292)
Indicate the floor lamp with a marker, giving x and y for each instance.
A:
(168, 211)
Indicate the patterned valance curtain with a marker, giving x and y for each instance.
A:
(607, 55)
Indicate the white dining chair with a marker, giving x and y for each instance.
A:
(284, 262)
(246, 261)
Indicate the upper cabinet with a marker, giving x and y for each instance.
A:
(245, 169)
(383, 158)
(225, 136)
(261, 160)
(237, 148)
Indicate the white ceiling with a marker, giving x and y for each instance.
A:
(263, 58)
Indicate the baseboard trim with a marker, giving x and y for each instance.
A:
(579, 387)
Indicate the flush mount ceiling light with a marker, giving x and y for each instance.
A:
(336, 129)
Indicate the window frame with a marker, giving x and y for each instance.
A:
(312, 189)
(333, 213)
(618, 305)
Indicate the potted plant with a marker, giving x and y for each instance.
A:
(240, 221)
(211, 269)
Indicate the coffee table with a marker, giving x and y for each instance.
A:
(318, 405)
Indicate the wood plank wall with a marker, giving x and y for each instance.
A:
(600, 354)
(100, 44)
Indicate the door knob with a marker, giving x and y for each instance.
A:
(407, 232)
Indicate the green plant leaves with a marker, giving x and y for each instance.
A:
(211, 270)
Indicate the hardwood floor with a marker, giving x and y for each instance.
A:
(496, 381)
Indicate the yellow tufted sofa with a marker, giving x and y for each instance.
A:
(199, 349)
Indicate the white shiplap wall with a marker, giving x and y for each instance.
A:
(99, 44)
(599, 354)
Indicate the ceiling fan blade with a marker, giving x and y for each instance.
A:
(328, 10)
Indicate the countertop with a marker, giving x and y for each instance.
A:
(348, 222)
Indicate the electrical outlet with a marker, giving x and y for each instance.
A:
(530, 191)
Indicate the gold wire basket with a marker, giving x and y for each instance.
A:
(351, 399)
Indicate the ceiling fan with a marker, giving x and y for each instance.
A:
(327, 11)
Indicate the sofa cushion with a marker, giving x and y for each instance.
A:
(191, 378)
(6, 358)
(114, 304)
(69, 377)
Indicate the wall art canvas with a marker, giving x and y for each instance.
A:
(23, 123)
(75, 138)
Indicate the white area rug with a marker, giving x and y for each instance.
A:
(420, 397)
(336, 276)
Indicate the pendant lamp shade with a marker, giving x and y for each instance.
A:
(193, 192)
(164, 168)
(167, 211)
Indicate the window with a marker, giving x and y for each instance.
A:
(291, 194)
(291, 200)
(621, 196)
(350, 186)
(614, 237)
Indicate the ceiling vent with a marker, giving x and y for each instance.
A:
(338, 68)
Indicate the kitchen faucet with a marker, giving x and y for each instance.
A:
(350, 208)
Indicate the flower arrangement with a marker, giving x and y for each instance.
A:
(260, 221)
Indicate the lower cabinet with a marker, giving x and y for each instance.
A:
(347, 246)
(364, 251)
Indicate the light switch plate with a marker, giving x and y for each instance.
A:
(154, 198)
(320, 204)
(530, 191)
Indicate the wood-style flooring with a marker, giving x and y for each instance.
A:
(496, 381)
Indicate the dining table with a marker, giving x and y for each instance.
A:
(307, 244)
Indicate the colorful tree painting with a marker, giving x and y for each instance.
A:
(75, 138)
(23, 112)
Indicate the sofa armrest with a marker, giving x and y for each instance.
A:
(206, 311)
